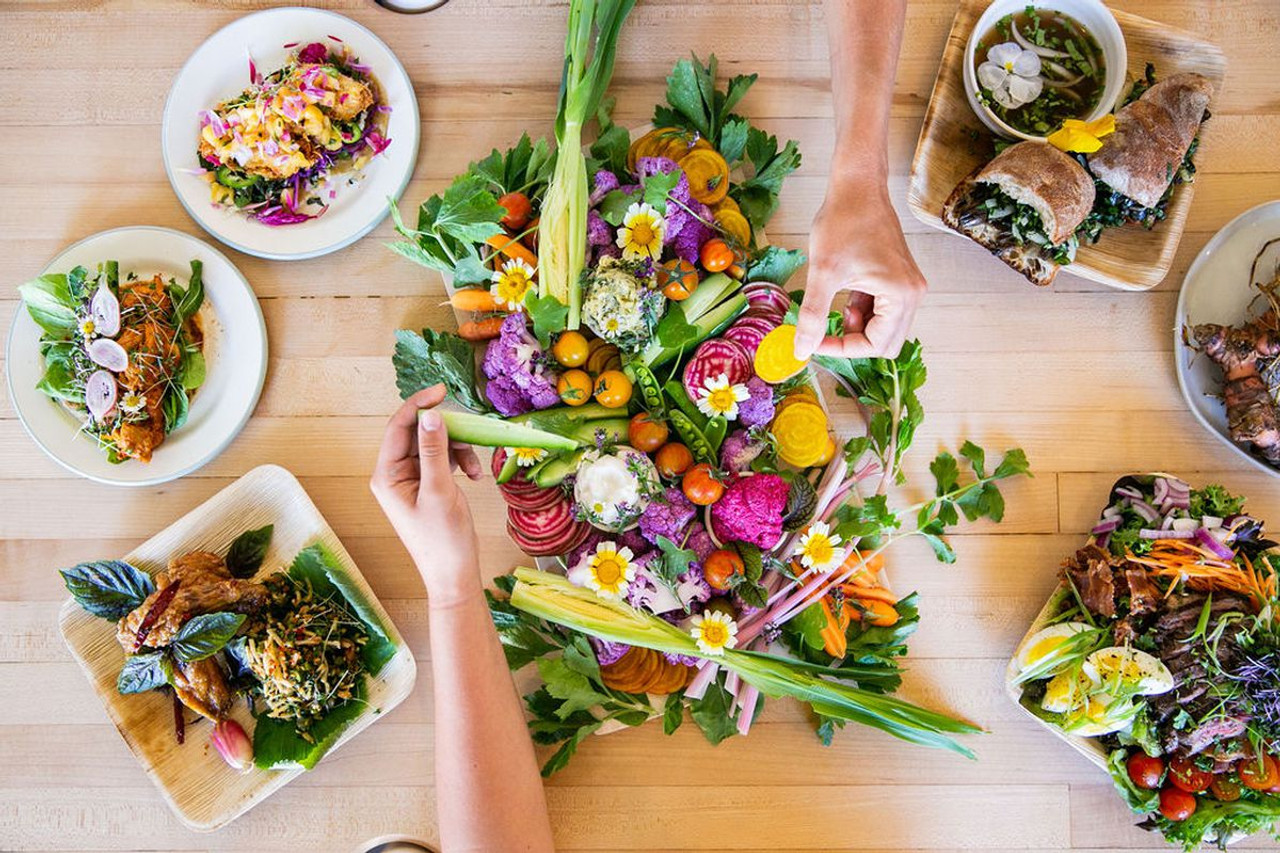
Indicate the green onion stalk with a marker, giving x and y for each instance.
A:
(553, 598)
(562, 232)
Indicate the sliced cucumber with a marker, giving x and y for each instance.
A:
(553, 471)
(484, 431)
(510, 466)
(585, 412)
(614, 430)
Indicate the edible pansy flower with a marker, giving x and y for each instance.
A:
(1084, 137)
(527, 457)
(511, 283)
(642, 232)
(819, 549)
(132, 402)
(721, 397)
(714, 632)
(608, 571)
(1012, 74)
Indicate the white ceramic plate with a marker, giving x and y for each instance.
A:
(203, 791)
(235, 351)
(219, 69)
(1217, 290)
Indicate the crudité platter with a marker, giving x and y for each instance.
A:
(953, 143)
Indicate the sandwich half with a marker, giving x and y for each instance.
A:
(1024, 206)
(1152, 136)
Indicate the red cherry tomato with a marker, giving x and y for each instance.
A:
(673, 460)
(518, 210)
(1259, 778)
(720, 566)
(1176, 804)
(1145, 771)
(701, 486)
(646, 434)
(1184, 775)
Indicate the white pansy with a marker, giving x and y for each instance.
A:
(1012, 74)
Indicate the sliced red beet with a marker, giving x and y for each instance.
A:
(543, 523)
(714, 358)
(541, 499)
(497, 460)
(747, 337)
(571, 538)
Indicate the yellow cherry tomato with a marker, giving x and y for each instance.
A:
(613, 389)
(571, 349)
(574, 387)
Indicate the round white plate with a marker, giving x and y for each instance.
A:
(219, 69)
(1216, 289)
(235, 351)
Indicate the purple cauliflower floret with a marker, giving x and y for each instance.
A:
(683, 660)
(739, 450)
(607, 653)
(599, 232)
(692, 587)
(640, 549)
(751, 511)
(699, 541)
(667, 516)
(519, 379)
(602, 184)
(758, 409)
(647, 166)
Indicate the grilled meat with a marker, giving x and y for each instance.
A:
(202, 687)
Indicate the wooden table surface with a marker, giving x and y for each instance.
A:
(1080, 376)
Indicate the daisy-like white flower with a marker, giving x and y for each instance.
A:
(819, 549)
(642, 232)
(132, 402)
(512, 283)
(721, 397)
(608, 571)
(527, 457)
(715, 632)
(1012, 74)
(88, 328)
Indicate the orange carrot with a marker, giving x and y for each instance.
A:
(512, 248)
(875, 613)
(873, 593)
(834, 642)
(481, 330)
(474, 299)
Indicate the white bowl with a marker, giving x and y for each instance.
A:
(1217, 289)
(235, 350)
(219, 69)
(1093, 14)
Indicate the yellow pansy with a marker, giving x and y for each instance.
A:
(1084, 137)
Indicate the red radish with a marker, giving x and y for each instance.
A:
(105, 310)
(100, 393)
(713, 358)
(109, 354)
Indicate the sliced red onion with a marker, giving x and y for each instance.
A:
(1144, 509)
(1206, 539)
(105, 309)
(109, 354)
(1108, 526)
(1186, 524)
(1103, 540)
(1129, 492)
(100, 393)
(1167, 522)
(1161, 490)
(1148, 533)
(1211, 521)
(1112, 511)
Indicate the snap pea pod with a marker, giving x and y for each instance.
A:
(692, 437)
(715, 431)
(676, 392)
(650, 390)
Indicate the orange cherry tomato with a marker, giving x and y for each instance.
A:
(571, 349)
(701, 486)
(613, 389)
(720, 566)
(678, 279)
(1225, 789)
(1186, 776)
(518, 210)
(1259, 778)
(1176, 804)
(716, 255)
(646, 434)
(673, 460)
(574, 387)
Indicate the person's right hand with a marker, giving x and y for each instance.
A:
(414, 484)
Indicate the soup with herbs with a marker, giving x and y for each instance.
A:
(1037, 68)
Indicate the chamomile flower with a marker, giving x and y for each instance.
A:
(527, 457)
(642, 232)
(512, 283)
(819, 548)
(721, 397)
(132, 402)
(88, 328)
(608, 571)
(714, 632)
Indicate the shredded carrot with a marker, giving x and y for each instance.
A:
(1199, 569)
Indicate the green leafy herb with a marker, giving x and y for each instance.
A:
(775, 264)
(187, 302)
(108, 588)
(714, 714)
(757, 196)
(609, 151)
(176, 405)
(613, 207)
(50, 303)
(673, 713)
(204, 635)
(548, 315)
(248, 551)
(657, 186)
(141, 673)
(437, 357)
(450, 227)
(695, 104)
(524, 168)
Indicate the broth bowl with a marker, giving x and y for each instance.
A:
(1093, 14)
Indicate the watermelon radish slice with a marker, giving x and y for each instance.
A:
(716, 357)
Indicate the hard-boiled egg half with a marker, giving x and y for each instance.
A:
(1045, 642)
(1088, 697)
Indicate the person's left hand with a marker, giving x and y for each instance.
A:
(414, 484)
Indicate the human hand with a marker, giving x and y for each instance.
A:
(859, 247)
(414, 484)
